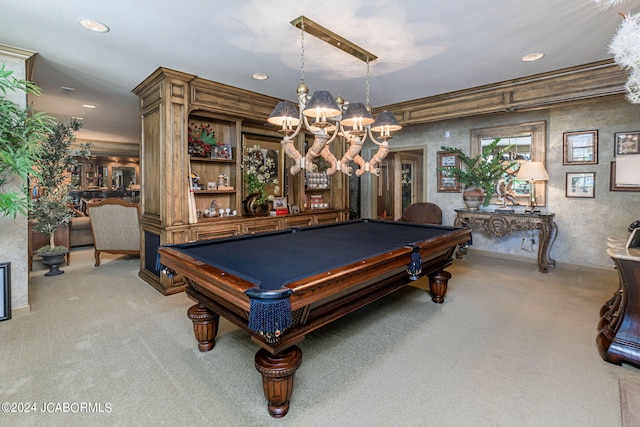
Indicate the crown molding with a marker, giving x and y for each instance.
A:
(568, 85)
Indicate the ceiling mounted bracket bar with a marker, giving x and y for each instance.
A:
(328, 36)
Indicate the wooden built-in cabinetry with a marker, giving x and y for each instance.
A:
(170, 102)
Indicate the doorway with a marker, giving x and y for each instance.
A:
(400, 183)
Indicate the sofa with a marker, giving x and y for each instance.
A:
(80, 233)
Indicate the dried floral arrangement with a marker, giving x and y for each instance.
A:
(201, 139)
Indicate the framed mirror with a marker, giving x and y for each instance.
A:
(122, 177)
(529, 144)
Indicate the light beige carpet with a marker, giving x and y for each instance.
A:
(630, 404)
(509, 347)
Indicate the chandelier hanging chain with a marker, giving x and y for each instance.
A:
(367, 101)
(302, 52)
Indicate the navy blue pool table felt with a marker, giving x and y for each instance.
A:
(275, 259)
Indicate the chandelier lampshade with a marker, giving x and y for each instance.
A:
(385, 123)
(322, 105)
(285, 116)
(357, 116)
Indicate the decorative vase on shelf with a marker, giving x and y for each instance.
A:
(473, 197)
(254, 208)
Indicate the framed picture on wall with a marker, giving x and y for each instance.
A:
(447, 182)
(613, 186)
(581, 184)
(627, 143)
(580, 148)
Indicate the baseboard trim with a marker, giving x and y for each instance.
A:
(530, 260)
(20, 311)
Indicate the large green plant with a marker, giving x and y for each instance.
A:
(21, 134)
(482, 170)
(51, 209)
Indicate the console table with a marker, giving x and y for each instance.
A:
(618, 338)
(500, 224)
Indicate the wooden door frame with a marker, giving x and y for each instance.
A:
(397, 157)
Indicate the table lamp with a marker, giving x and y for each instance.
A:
(532, 172)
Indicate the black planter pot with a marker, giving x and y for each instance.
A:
(53, 261)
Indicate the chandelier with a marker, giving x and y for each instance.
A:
(326, 117)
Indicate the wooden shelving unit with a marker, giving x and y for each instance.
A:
(170, 102)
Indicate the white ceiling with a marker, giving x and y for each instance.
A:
(424, 47)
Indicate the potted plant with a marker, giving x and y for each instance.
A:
(50, 209)
(21, 134)
(481, 172)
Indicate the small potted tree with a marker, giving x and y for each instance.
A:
(481, 172)
(51, 178)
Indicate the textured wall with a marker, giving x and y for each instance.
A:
(14, 232)
(583, 224)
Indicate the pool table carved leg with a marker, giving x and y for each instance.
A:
(205, 326)
(438, 283)
(277, 377)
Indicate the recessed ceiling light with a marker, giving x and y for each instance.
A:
(77, 118)
(89, 106)
(530, 57)
(260, 76)
(92, 25)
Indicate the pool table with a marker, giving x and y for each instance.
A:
(279, 286)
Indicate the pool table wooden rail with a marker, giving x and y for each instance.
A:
(229, 289)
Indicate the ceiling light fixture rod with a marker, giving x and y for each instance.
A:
(328, 36)
(367, 89)
(302, 52)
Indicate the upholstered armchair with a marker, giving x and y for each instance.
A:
(115, 226)
(423, 213)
